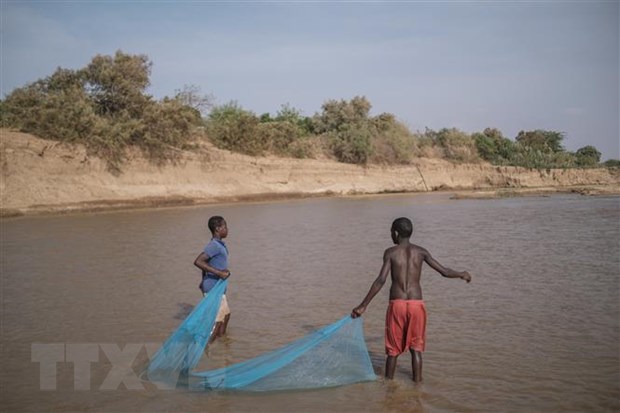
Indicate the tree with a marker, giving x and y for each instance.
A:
(339, 115)
(289, 114)
(103, 106)
(348, 128)
(493, 146)
(191, 95)
(231, 127)
(118, 83)
(587, 156)
(542, 140)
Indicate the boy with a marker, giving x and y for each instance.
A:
(406, 315)
(213, 262)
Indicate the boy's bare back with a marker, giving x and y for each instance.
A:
(404, 262)
(406, 268)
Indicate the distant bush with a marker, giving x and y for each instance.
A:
(541, 140)
(351, 144)
(103, 106)
(587, 156)
(278, 135)
(64, 114)
(451, 144)
(612, 163)
(166, 128)
(348, 129)
(492, 146)
(306, 146)
(539, 149)
(393, 143)
(231, 127)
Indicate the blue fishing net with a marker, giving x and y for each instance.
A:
(183, 349)
(331, 356)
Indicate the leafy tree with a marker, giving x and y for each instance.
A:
(287, 113)
(56, 107)
(277, 136)
(348, 128)
(231, 127)
(453, 143)
(392, 142)
(542, 140)
(352, 144)
(166, 127)
(587, 156)
(492, 146)
(103, 106)
(338, 115)
(117, 83)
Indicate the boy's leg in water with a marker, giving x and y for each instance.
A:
(390, 367)
(216, 332)
(224, 325)
(416, 365)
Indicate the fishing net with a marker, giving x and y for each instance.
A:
(183, 349)
(334, 355)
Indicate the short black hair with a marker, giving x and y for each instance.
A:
(403, 226)
(214, 222)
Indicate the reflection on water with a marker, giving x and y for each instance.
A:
(536, 330)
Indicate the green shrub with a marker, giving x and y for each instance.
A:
(541, 140)
(104, 107)
(168, 127)
(59, 114)
(348, 129)
(452, 143)
(231, 127)
(305, 147)
(587, 156)
(492, 146)
(392, 143)
(338, 115)
(118, 83)
(351, 144)
(278, 135)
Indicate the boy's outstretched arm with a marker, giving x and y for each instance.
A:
(375, 287)
(446, 272)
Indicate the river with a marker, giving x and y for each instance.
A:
(538, 328)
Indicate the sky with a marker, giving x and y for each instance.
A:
(511, 65)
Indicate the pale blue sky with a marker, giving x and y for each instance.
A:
(470, 65)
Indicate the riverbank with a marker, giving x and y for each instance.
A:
(41, 176)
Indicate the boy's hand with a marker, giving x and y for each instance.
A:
(357, 311)
(224, 274)
(465, 276)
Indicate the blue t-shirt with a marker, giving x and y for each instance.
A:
(217, 254)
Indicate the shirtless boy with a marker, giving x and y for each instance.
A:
(406, 314)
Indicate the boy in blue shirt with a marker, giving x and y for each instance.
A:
(213, 262)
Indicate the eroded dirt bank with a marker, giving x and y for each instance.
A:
(40, 176)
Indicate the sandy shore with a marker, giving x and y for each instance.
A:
(40, 176)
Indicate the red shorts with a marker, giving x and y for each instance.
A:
(405, 326)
